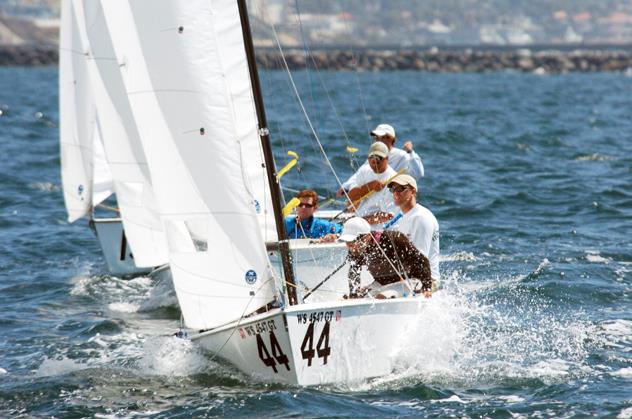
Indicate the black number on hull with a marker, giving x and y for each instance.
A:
(264, 355)
(123, 246)
(277, 352)
(277, 358)
(308, 342)
(324, 351)
(322, 347)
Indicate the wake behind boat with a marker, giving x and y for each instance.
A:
(182, 78)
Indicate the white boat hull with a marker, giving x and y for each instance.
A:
(318, 343)
(116, 250)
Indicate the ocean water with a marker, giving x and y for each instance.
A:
(529, 176)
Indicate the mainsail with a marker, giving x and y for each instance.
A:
(85, 177)
(123, 148)
(186, 75)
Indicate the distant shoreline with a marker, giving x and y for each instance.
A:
(540, 59)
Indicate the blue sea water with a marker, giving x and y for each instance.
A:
(529, 176)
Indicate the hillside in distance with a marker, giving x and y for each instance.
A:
(380, 23)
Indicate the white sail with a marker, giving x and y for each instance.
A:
(77, 123)
(86, 177)
(185, 71)
(102, 182)
(123, 148)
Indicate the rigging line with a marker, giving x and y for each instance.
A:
(279, 60)
(322, 150)
(309, 54)
(292, 141)
(356, 73)
(243, 314)
(320, 145)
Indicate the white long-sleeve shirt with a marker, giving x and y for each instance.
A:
(381, 201)
(422, 229)
(397, 159)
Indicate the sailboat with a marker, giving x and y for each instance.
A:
(247, 293)
(101, 154)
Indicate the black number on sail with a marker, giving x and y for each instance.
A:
(308, 342)
(277, 352)
(322, 347)
(264, 355)
(324, 351)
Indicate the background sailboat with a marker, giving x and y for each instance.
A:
(134, 241)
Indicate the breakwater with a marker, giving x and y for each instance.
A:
(455, 61)
(431, 59)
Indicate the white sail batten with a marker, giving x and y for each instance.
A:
(193, 106)
(121, 143)
(77, 124)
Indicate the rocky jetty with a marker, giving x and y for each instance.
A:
(28, 55)
(431, 60)
(454, 61)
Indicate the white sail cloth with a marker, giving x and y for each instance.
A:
(123, 148)
(185, 70)
(86, 178)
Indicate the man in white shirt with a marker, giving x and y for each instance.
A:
(415, 221)
(398, 159)
(368, 194)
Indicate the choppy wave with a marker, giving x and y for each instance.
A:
(594, 157)
(528, 177)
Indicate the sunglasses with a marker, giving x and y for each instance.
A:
(398, 189)
(378, 159)
(305, 205)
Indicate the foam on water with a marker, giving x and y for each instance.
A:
(124, 307)
(594, 257)
(59, 366)
(144, 355)
(453, 398)
(626, 413)
(125, 295)
(594, 157)
(463, 340)
(45, 186)
(459, 256)
(624, 373)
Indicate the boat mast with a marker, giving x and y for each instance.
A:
(264, 134)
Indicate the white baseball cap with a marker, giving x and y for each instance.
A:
(384, 130)
(353, 228)
(404, 180)
(378, 149)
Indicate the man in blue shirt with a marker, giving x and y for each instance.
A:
(304, 224)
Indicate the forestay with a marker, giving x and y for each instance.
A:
(121, 141)
(185, 71)
(84, 171)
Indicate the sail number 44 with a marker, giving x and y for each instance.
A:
(313, 346)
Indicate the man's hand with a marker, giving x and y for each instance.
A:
(379, 217)
(408, 146)
(330, 237)
(375, 185)
(427, 294)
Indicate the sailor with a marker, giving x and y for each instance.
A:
(304, 224)
(399, 159)
(415, 221)
(397, 267)
(369, 196)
